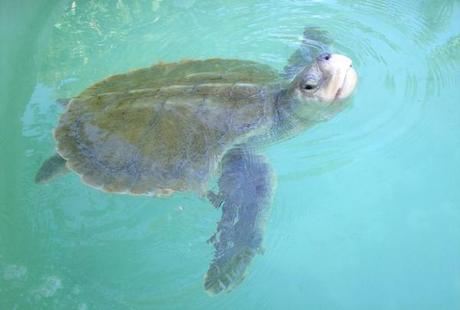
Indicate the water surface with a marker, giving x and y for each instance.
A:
(367, 207)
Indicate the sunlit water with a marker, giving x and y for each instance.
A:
(367, 207)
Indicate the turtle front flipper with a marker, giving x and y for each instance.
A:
(245, 190)
(51, 168)
(314, 42)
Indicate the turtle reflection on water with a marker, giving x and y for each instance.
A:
(174, 127)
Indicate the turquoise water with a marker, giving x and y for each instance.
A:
(367, 207)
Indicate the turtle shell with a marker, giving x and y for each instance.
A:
(163, 128)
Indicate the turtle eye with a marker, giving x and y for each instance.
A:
(324, 57)
(309, 86)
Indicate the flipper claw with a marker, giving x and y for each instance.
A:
(215, 199)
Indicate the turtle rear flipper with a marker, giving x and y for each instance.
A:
(51, 168)
(245, 190)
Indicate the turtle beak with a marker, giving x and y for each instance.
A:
(348, 85)
(340, 77)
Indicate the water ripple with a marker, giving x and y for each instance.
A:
(121, 246)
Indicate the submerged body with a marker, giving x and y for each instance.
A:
(174, 127)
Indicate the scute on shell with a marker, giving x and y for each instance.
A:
(163, 128)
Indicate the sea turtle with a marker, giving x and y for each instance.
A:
(177, 126)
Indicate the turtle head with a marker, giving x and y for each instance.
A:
(330, 78)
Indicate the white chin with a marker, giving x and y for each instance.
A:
(349, 84)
